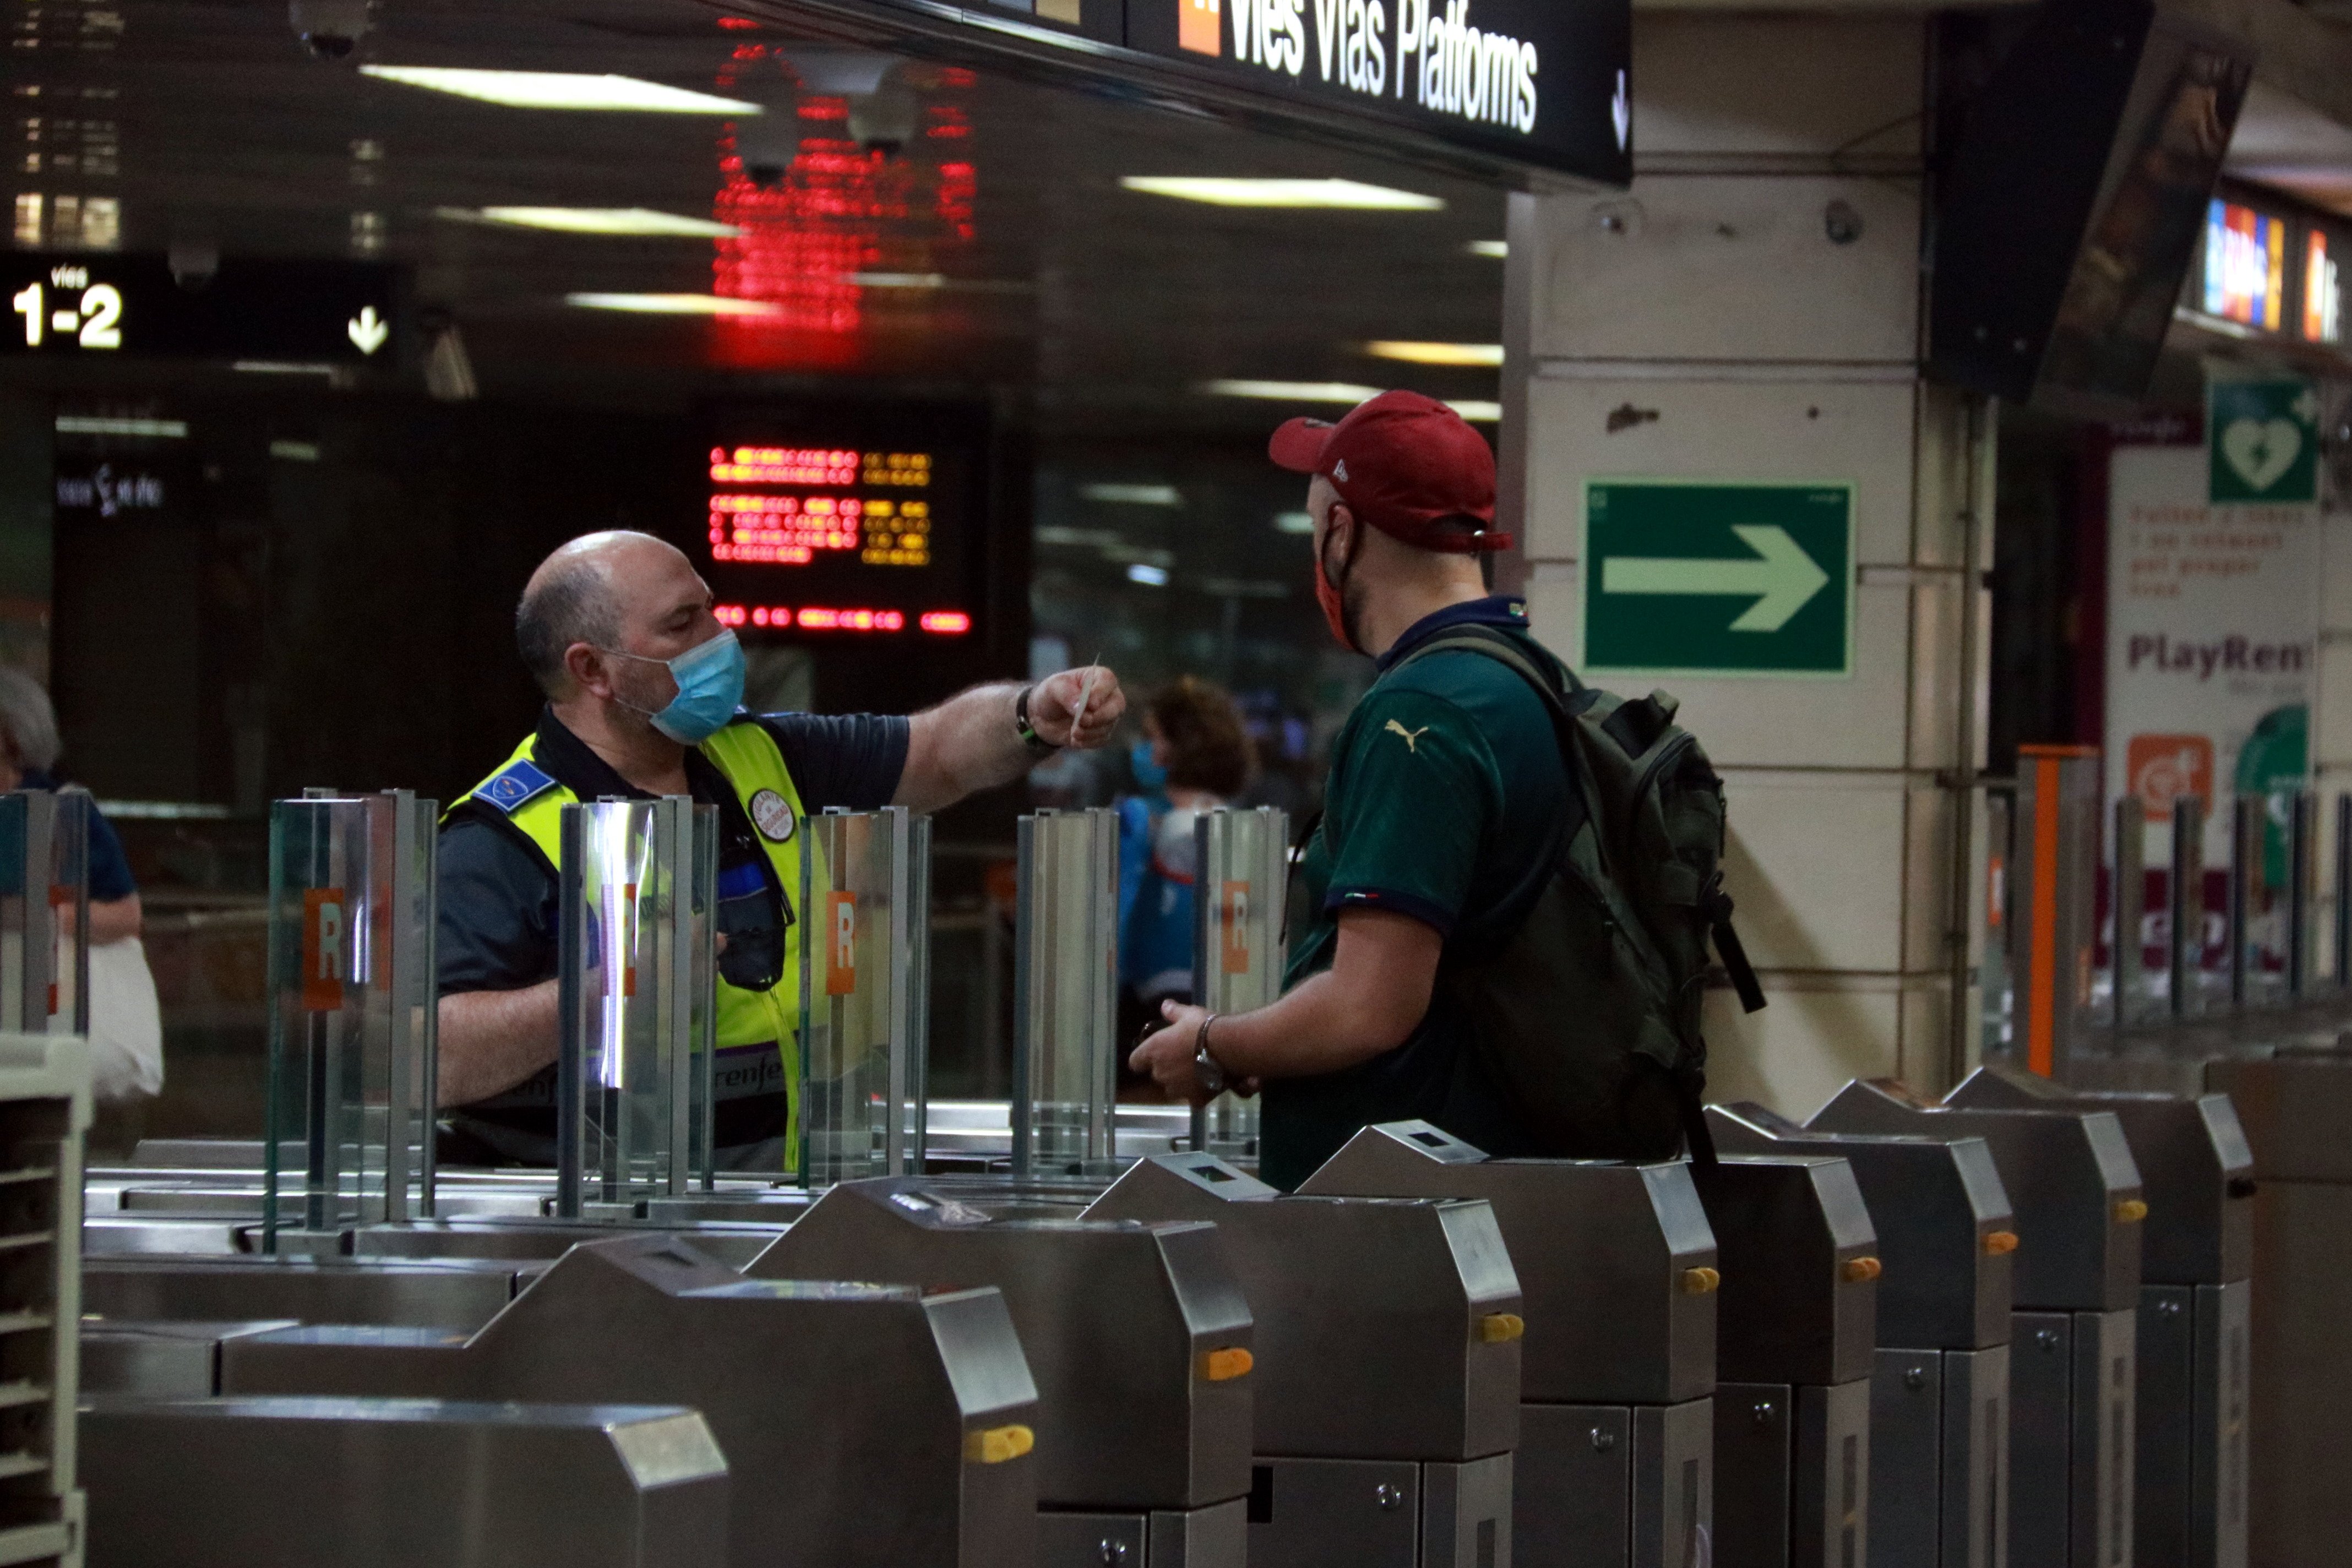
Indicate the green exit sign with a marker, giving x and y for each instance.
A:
(1710, 578)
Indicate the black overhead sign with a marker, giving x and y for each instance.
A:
(99, 306)
(1541, 83)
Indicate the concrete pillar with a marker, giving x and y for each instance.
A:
(1725, 319)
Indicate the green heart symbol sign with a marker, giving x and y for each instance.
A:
(2262, 443)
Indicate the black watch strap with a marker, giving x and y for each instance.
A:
(1026, 729)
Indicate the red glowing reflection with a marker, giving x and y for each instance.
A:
(838, 211)
(824, 618)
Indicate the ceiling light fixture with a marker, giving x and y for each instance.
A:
(1294, 523)
(1133, 495)
(899, 280)
(102, 425)
(1489, 354)
(1492, 249)
(1149, 575)
(1293, 391)
(1239, 193)
(561, 89)
(629, 221)
(674, 304)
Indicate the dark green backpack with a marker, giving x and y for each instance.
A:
(1587, 1018)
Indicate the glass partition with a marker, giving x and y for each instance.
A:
(351, 1013)
(1238, 943)
(637, 1011)
(1066, 992)
(865, 940)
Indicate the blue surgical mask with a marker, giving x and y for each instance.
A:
(709, 678)
(1149, 774)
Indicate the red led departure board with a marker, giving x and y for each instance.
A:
(852, 534)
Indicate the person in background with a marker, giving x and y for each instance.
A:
(1194, 756)
(126, 1025)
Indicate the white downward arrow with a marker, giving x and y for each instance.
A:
(1782, 577)
(368, 330)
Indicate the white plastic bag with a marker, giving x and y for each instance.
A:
(126, 1023)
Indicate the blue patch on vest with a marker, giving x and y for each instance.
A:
(517, 783)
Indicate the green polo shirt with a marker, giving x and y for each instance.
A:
(1448, 802)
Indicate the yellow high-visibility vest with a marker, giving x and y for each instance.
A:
(753, 765)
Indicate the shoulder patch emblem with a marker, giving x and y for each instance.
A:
(1411, 737)
(771, 817)
(520, 781)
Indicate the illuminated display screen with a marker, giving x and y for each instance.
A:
(2323, 291)
(855, 534)
(2245, 266)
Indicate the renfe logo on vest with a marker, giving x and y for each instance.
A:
(323, 963)
(1436, 59)
(841, 947)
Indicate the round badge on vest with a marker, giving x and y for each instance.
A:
(771, 817)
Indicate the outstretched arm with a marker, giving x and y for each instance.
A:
(968, 743)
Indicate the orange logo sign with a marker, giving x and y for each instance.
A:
(1234, 913)
(2161, 769)
(1200, 26)
(841, 950)
(324, 965)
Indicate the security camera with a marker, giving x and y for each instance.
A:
(194, 263)
(883, 121)
(330, 30)
(769, 141)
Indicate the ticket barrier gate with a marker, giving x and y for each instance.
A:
(1617, 1266)
(924, 1399)
(2194, 1310)
(1387, 1397)
(385, 1483)
(2079, 1208)
(2295, 1106)
(1139, 1336)
(1794, 1341)
(1939, 1486)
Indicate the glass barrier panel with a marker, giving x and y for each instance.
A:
(352, 1011)
(1240, 899)
(635, 1008)
(1066, 992)
(865, 907)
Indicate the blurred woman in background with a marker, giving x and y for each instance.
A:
(1194, 756)
(125, 1024)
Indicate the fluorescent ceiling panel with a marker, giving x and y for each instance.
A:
(561, 89)
(1437, 354)
(592, 220)
(672, 304)
(1238, 193)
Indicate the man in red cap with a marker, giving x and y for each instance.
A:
(1447, 809)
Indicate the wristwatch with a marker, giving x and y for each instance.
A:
(1204, 1066)
(1026, 729)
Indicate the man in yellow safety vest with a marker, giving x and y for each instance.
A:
(645, 690)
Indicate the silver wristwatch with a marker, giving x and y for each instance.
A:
(1204, 1066)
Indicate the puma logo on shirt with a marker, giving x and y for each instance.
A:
(1411, 737)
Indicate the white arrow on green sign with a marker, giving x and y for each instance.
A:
(1781, 579)
(1668, 564)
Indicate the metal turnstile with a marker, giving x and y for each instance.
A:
(1794, 1340)
(395, 1483)
(1387, 1393)
(924, 1399)
(2072, 1383)
(2295, 1106)
(1616, 1455)
(1938, 1480)
(1139, 1336)
(2194, 1310)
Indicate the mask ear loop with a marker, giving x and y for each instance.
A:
(1347, 565)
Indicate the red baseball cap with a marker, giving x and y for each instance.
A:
(1403, 463)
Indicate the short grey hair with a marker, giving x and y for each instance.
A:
(572, 602)
(27, 720)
